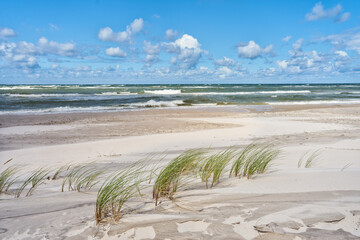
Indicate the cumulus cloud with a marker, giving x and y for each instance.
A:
(108, 35)
(24, 54)
(286, 39)
(349, 40)
(342, 54)
(252, 50)
(115, 52)
(225, 61)
(318, 12)
(170, 34)
(152, 53)
(6, 33)
(188, 51)
(52, 47)
(14, 58)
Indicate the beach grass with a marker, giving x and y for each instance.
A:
(118, 188)
(35, 178)
(241, 159)
(7, 179)
(258, 159)
(169, 180)
(59, 171)
(214, 165)
(310, 158)
(81, 177)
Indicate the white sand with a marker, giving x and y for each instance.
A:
(288, 201)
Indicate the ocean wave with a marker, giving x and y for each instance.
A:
(153, 103)
(66, 110)
(18, 87)
(115, 93)
(249, 93)
(18, 95)
(165, 91)
(316, 102)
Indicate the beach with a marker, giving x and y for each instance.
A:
(288, 201)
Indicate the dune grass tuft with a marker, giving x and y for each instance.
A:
(7, 179)
(311, 159)
(81, 178)
(170, 177)
(213, 166)
(258, 159)
(116, 190)
(241, 159)
(36, 178)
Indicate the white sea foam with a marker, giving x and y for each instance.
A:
(43, 95)
(64, 110)
(115, 93)
(249, 93)
(18, 87)
(165, 91)
(152, 103)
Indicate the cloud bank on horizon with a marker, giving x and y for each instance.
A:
(319, 44)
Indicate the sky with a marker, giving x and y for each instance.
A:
(182, 42)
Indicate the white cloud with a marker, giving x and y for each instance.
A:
(343, 17)
(342, 54)
(286, 39)
(6, 33)
(107, 34)
(318, 12)
(52, 47)
(188, 51)
(115, 52)
(23, 54)
(225, 61)
(152, 53)
(349, 40)
(282, 64)
(171, 34)
(252, 50)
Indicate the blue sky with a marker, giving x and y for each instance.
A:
(179, 41)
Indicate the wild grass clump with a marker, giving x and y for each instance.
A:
(213, 166)
(257, 159)
(241, 159)
(81, 178)
(116, 190)
(7, 179)
(59, 171)
(170, 177)
(311, 159)
(36, 178)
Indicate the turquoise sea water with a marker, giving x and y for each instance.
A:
(24, 99)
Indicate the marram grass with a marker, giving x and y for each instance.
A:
(7, 179)
(214, 166)
(116, 190)
(170, 177)
(309, 158)
(81, 178)
(254, 159)
(35, 179)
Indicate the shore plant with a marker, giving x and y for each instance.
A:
(214, 166)
(35, 179)
(116, 191)
(81, 178)
(171, 177)
(7, 179)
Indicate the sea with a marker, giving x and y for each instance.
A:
(47, 99)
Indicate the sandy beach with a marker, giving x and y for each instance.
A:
(287, 202)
